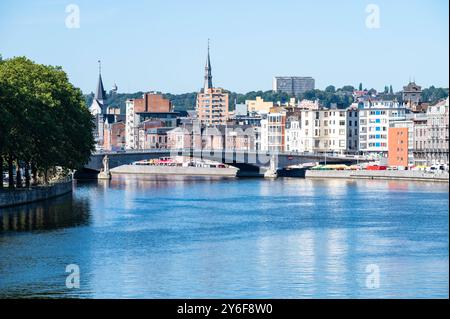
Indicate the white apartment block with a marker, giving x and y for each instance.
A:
(273, 132)
(374, 122)
(323, 130)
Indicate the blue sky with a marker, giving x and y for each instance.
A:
(161, 45)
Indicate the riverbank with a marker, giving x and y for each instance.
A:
(35, 194)
(175, 170)
(442, 177)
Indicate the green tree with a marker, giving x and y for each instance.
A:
(50, 124)
(330, 89)
(348, 88)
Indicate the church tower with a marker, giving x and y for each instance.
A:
(208, 77)
(98, 109)
(98, 104)
(212, 103)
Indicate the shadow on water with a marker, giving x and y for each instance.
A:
(61, 212)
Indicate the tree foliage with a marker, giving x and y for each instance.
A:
(433, 94)
(44, 118)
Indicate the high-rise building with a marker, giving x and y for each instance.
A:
(293, 85)
(212, 103)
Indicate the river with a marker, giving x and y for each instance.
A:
(180, 237)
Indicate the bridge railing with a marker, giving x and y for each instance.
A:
(187, 151)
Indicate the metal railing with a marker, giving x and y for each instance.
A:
(206, 150)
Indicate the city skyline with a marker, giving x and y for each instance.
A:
(250, 43)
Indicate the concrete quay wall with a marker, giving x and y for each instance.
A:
(34, 194)
(364, 174)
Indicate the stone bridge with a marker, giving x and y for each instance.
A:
(246, 161)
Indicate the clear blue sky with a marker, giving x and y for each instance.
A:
(161, 45)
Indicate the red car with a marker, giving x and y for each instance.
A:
(376, 168)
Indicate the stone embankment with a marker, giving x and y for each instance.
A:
(33, 194)
(366, 174)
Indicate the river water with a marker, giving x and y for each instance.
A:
(152, 237)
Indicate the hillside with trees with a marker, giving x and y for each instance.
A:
(342, 97)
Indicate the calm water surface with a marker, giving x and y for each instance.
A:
(151, 237)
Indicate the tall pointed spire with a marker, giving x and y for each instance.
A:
(208, 76)
(100, 93)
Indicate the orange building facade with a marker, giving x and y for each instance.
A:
(212, 106)
(398, 146)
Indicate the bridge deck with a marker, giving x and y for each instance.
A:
(256, 159)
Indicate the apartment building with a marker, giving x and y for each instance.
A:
(258, 105)
(323, 130)
(114, 136)
(438, 133)
(293, 135)
(293, 85)
(374, 122)
(398, 146)
(151, 107)
(273, 128)
(353, 129)
(212, 106)
(212, 103)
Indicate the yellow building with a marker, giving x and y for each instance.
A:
(258, 105)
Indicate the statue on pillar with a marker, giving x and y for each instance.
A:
(104, 173)
(106, 164)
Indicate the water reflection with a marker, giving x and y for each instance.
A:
(153, 237)
(63, 211)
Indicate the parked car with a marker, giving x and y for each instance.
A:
(434, 168)
(376, 168)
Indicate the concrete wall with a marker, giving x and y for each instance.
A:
(23, 196)
(405, 175)
(172, 170)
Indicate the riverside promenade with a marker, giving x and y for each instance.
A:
(395, 175)
(34, 194)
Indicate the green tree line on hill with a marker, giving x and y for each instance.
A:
(342, 97)
(45, 125)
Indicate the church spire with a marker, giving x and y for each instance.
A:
(208, 76)
(100, 93)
